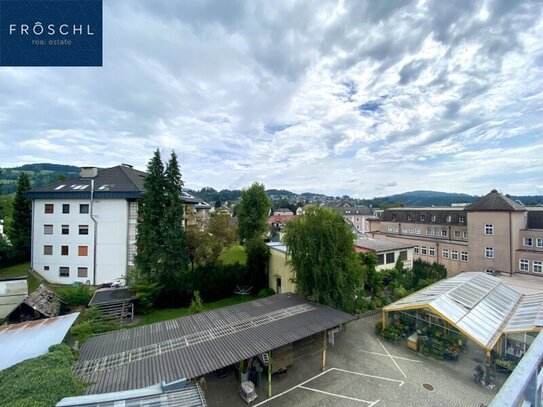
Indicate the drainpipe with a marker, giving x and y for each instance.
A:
(510, 246)
(95, 232)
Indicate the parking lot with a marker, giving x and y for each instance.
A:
(362, 370)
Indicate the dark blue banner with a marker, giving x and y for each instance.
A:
(50, 32)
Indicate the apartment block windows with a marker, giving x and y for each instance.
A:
(390, 258)
(489, 252)
(83, 208)
(464, 256)
(457, 234)
(429, 232)
(432, 251)
(539, 242)
(527, 241)
(524, 265)
(82, 272)
(416, 249)
(422, 217)
(380, 259)
(537, 266)
(444, 233)
(82, 250)
(64, 250)
(417, 231)
(390, 228)
(448, 219)
(465, 235)
(65, 229)
(423, 250)
(47, 229)
(83, 229)
(433, 218)
(489, 271)
(403, 255)
(49, 208)
(454, 254)
(393, 216)
(404, 230)
(489, 230)
(65, 208)
(64, 271)
(445, 253)
(409, 217)
(47, 250)
(411, 230)
(461, 219)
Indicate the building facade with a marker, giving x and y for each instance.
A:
(357, 216)
(387, 252)
(493, 234)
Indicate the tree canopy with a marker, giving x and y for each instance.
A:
(20, 227)
(320, 248)
(252, 212)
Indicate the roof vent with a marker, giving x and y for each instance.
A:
(494, 190)
(88, 172)
(127, 165)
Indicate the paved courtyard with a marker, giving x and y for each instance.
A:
(363, 370)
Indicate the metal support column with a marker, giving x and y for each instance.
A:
(269, 374)
(324, 346)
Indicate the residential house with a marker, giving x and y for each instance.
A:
(355, 215)
(279, 271)
(283, 212)
(84, 228)
(387, 252)
(494, 234)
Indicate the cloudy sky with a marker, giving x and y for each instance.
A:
(365, 98)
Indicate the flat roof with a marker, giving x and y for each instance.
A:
(191, 346)
(378, 245)
(27, 340)
(12, 293)
(280, 247)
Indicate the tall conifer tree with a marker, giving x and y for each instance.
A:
(21, 224)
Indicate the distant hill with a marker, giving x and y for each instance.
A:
(40, 174)
(429, 198)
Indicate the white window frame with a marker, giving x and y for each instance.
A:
(411, 231)
(444, 233)
(423, 250)
(422, 217)
(445, 253)
(457, 234)
(537, 266)
(527, 241)
(464, 256)
(524, 265)
(539, 242)
(429, 231)
(489, 230)
(461, 219)
(417, 231)
(489, 252)
(390, 228)
(431, 251)
(454, 254)
(433, 218)
(416, 249)
(448, 219)
(465, 234)
(404, 230)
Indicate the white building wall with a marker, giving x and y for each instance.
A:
(112, 230)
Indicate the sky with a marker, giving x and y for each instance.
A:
(364, 98)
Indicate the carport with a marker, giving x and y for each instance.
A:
(192, 346)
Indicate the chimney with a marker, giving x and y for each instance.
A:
(88, 172)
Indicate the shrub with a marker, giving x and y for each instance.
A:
(75, 296)
(265, 292)
(92, 322)
(400, 292)
(196, 305)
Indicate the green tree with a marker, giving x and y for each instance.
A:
(321, 251)
(174, 260)
(258, 254)
(151, 210)
(20, 227)
(252, 211)
(374, 282)
(222, 230)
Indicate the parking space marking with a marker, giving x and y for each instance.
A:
(391, 358)
(371, 403)
(395, 357)
(401, 382)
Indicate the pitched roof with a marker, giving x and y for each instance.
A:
(347, 208)
(424, 215)
(45, 301)
(191, 346)
(495, 201)
(12, 293)
(112, 295)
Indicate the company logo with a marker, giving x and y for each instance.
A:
(51, 32)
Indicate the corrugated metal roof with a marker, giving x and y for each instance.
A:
(112, 295)
(481, 306)
(198, 344)
(12, 294)
(159, 395)
(27, 340)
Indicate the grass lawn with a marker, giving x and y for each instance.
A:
(21, 270)
(171, 313)
(233, 255)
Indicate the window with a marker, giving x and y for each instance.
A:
(380, 259)
(82, 272)
(465, 234)
(83, 208)
(448, 219)
(444, 233)
(524, 265)
(47, 229)
(47, 250)
(46, 268)
(417, 231)
(358, 219)
(432, 251)
(527, 241)
(409, 217)
(436, 232)
(423, 250)
(537, 266)
(416, 249)
(445, 253)
(83, 229)
(489, 271)
(489, 230)
(404, 230)
(433, 218)
(64, 271)
(82, 250)
(390, 258)
(65, 229)
(278, 286)
(461, 219)
(390, 228)
(457, 234)
(454, 254)
(422, 218)
(464, 256)
(429, 231)
(65, 208)
(393, 216)
(64, 250)
(49, 208)
(411, 230)
(403, 255)
(396, 229)
(489, 252)
(539, 242)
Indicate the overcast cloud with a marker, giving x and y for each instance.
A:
(355, 97)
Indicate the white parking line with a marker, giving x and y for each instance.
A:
(401, 382)
(395, 357)
(391, 358)
(371, 403)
